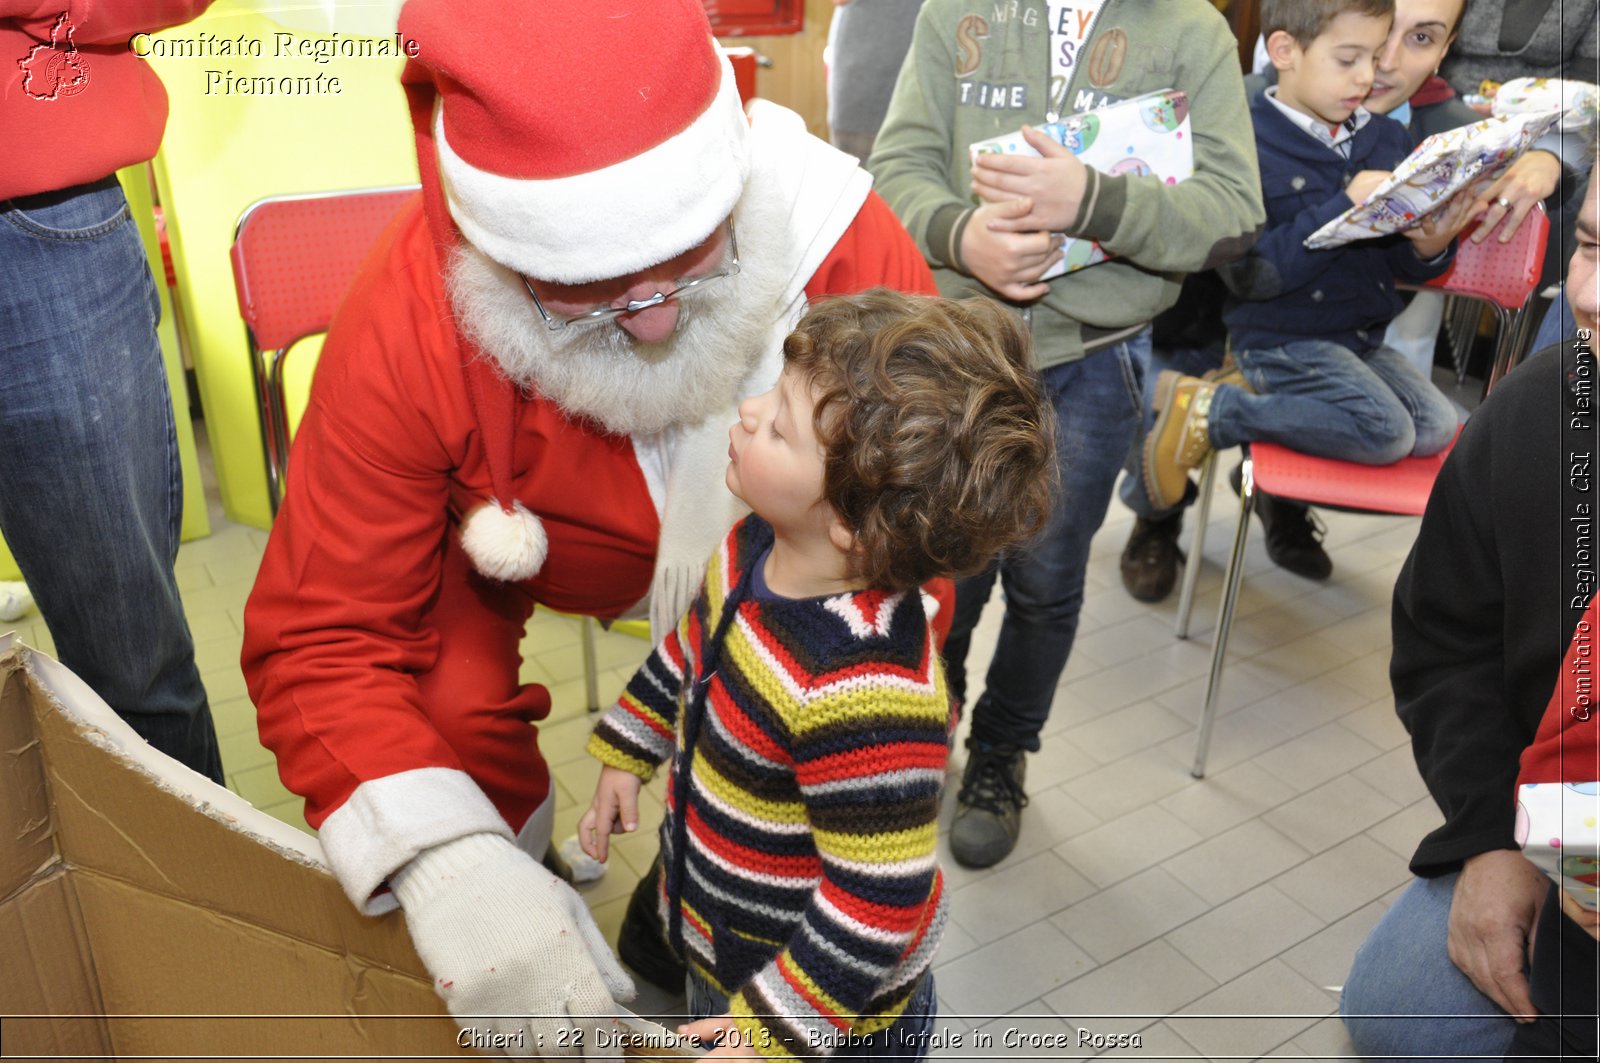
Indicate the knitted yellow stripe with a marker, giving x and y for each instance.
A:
(925, 707)
(613, 757)
(894, 847)
(732, 795)
(753, 666)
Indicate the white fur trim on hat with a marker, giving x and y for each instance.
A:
(504, 546)
(612, 221)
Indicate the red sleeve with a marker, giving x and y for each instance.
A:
(874, 251)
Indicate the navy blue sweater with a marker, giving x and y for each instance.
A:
(1343, 294)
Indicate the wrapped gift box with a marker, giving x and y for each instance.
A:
(1146, 136)
(1469, 157)
(1558, 827)
(1578, 101)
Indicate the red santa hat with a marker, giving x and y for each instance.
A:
(571, 141)
(580, 140)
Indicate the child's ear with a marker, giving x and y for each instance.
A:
(1282, 49)
(841, 535)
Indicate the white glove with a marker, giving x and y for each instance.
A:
(512, 949)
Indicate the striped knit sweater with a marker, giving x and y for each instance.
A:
(800, 845)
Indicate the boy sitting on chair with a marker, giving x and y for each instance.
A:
(1307, 331)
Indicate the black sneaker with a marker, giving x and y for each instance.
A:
(989, 805)
(1294, 538)
(1294, 533)
(1150, 560)
(642, 940)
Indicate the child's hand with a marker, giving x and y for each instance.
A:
(1009, 262)
(1440, 227)
(1363, 184)
(1054, 183)
(614, 810)
(1585, 918)
(723, 1032)
(1529, 180)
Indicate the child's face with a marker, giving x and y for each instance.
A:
(775, 463)
(1420, 37)
(1329, 78)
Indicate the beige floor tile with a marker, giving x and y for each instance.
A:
(1224, 799)
(1252, 928)
(1235, 861)
(1236, 1022)
(1017, 894)
(1128, 844)
(1324, 958)
(1143, 987)
(1312, 759)
(1135, 911)
(991, 979)
(1321, 818)
(1347, 876)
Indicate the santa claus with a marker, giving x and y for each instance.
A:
(525, 400)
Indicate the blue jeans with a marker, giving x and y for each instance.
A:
(1190, 361)
(1324, 399)
(91, 492)
(1099, 404)
(1405, 1000)
(907, 1039)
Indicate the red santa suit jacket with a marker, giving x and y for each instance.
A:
(384, 668)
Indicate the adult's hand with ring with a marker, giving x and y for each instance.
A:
(1529, 180)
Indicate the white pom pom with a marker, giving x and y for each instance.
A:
(504, 546)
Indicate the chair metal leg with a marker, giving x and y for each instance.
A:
(591, 680)
(1219, 642)
(1461, 327)
(1197, 545)
(1505, 346)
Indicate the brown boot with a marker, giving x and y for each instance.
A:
(1178, 441)
(1229, 373)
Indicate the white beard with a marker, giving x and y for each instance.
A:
(603, 374)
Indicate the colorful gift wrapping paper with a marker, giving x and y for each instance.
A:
(1469, 157)
(1578, 101)
(1558, 827)
(1146, 136)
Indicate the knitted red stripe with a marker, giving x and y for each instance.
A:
(745, 855)
(894, 919)
(874, 760)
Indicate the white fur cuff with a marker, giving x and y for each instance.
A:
(388, 821)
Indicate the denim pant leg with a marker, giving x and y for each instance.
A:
(1434, 420)
(1317, 397)
(1405, 1000)
(1099, 402)
(90, 484)
(1190, 361)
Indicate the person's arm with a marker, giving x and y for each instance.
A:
(1280, 262)
(869, 758)
(1449, 660)
(637, 734)
(911, 159)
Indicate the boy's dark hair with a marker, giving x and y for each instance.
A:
(938, 439)
(1306, 20)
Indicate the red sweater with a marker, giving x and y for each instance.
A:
(75, 103)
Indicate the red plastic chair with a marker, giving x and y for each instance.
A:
(1505, 277)
(1400, 489)
(293, 258)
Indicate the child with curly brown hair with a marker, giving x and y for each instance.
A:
(802, 698)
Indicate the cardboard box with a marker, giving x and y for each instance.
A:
(147, 912)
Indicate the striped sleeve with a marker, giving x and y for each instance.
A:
(637, 734)
(869, 750)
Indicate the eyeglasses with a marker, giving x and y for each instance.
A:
(610, 313)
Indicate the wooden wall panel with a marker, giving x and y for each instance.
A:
(795, 78)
